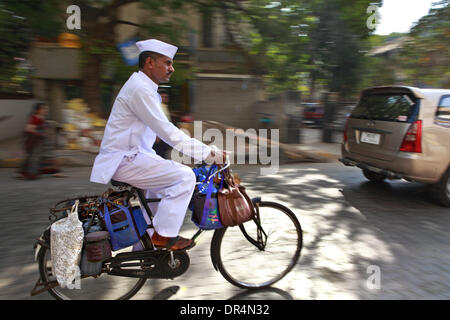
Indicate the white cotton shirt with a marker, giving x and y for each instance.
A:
(136, 119)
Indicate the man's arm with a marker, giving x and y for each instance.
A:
(146, 106)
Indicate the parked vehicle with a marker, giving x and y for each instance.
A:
(341, 117)
(401, 132)
(312, 113)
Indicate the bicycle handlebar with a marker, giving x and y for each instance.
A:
(226, 165)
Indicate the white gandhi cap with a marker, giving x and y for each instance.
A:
(157, 46)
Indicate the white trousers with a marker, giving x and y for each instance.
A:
(171, 181)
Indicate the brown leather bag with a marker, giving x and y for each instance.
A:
(235, 206)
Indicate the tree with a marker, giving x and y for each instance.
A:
(422, 57)
(337, 44)
(292, 44)
(296, 43)
(20, 22)
(426, 56)
(272, 35)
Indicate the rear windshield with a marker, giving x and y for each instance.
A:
(396, 107)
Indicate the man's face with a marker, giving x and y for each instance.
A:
(161, 69)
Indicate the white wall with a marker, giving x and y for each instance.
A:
(13, 117)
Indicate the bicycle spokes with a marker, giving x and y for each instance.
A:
(270, 244)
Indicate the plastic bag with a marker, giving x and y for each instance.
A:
(66, 242)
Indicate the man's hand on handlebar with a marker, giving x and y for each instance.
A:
(216, 156)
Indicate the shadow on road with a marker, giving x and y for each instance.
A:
(253, 294)
(263, 294)
(351, 225)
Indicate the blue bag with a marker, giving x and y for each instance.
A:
(204, 205)
(126, 225)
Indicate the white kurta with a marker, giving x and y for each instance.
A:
(126, 152)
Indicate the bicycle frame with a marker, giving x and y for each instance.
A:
(261, 235)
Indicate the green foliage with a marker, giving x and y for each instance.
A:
(274, 34)
(20, 22)
(422, 60)
(306, 45)
(288, 39)
(337, 45)
(426, 56)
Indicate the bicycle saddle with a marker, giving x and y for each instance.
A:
(119, 184)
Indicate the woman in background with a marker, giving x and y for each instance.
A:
(38, 159)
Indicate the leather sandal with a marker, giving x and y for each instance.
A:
(175, 243)
(49, 171)
(27, 176)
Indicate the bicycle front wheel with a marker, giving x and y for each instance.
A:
(261, 251)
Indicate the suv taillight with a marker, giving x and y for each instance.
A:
(413, 138)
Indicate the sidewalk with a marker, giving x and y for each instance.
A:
(325, 151)
(11, 155)
(312, 150)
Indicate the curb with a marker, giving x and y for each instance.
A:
(286, 157)
(11, 163)
(288, 154)
(61, 161)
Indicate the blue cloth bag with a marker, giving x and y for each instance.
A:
(204, 205)
(126, 225)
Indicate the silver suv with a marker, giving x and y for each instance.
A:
(401, 133)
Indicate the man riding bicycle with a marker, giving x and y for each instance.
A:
(126, 152)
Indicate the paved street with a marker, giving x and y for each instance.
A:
(352, 230)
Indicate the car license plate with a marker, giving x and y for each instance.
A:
(368, 137)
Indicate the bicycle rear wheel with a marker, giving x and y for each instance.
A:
(103, 287)
(259, 252)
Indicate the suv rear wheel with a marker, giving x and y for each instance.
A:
(373, 176)
(441, 190)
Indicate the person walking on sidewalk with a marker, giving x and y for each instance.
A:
(38, 159)
(126, 152)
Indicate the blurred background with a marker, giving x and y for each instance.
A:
(293, 65)
(246, 64)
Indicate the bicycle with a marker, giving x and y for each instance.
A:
(244, 255)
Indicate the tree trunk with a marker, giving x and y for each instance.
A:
(99, 35)
(91, 83)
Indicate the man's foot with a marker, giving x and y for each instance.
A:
(49, 171)
(176, 243)
(59, 175)
(27, 176)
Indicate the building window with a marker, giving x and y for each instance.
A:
(207, 28)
